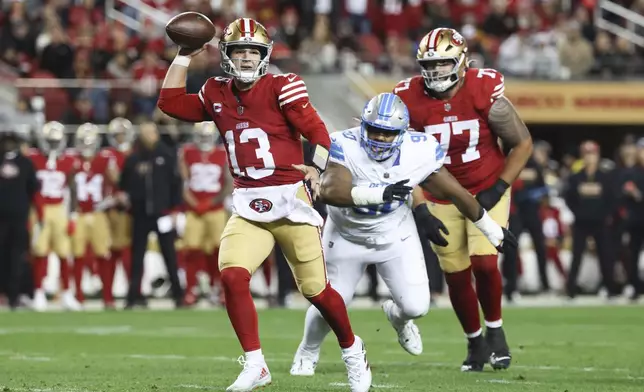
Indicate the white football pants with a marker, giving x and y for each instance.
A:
(401, 265)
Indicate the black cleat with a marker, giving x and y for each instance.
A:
(500, 357)
(477, 355)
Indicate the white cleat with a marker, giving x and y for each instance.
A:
(70, 303)
(304, 362)
(408, 335)
(39, 304)
(358, 369)
(255, 375)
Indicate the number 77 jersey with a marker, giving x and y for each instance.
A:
(460, 123)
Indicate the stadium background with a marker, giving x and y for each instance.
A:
(571, 68)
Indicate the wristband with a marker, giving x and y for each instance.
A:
(363, 196)
(183, 61)
(490, 229)
(320, 157)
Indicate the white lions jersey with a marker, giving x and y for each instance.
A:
(419, 156)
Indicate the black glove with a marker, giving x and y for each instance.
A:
(488, 198)
(429, 226)
(397, 191)
(509, 241)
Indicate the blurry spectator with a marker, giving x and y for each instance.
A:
(82, 110)
(517, 55)
(582, 15)
(198, 73)
(400, 55)
(576, 53)
(318, 52)
(85, 12)
(605, 64)
(499, 22)
(546, 60)
(477, 52)
(630, 187)
(289, 31)
(627, 63)
(589, 195)
(18, 35)
(119, 66)
(58, 56)
(148, 74)
(357, 10)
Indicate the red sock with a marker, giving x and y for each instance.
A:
(240, 307)
(213, 267)
(79, 265)
(331, 305)
(107, 268)
(463, 298)
(267, 270)
(489, 285)
(191, 266)
(39, 271)
(64, 273)
(552, 252)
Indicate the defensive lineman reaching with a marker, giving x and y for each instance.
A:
(261, 117)
(466, 109)
(372, 170)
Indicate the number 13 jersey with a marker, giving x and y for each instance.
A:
(460, 124)
(262, 127)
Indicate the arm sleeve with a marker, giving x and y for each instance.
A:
(293, 99)
(175, 102)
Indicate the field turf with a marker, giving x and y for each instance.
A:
(555, 349)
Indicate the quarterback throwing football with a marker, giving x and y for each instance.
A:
(261, 117)
(466, 110)
(372, 171)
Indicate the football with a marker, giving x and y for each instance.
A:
(190, 30)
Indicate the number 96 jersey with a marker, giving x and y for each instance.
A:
(460, 124)
(419, 156)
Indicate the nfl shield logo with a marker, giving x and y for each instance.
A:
(448, 107)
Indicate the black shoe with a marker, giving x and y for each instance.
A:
(500, 357)
(477, 355)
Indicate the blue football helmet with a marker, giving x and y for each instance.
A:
(385, 113)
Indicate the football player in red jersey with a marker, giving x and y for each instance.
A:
(120, 136)
(203, 167)
(465, 109)
(261, 117)
(55, 170)
(92, 226)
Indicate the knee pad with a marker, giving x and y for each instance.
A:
(311, 286)
(235, 279)
(416, 308)
(485, 263)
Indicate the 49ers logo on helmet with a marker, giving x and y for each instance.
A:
(261, 205)
(457, 39)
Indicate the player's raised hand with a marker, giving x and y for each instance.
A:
(192, 52)
(311, 175)
(397, 191)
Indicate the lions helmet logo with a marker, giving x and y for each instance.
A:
(261, 205)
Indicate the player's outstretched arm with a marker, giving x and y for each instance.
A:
(506, 124)
(336, 189)
(173, 99)
(442, 185)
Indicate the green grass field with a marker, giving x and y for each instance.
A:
(565, 349)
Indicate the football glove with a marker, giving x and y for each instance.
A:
(488, 198)
(509, 241)
(429, 226)
(397, 191)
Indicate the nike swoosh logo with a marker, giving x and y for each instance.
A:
(305, 105)
(405, 238)
(291, 79)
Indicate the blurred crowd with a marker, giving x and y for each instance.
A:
(73, 39)
(584, 203)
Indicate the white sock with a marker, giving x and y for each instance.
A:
(255, 356)
(315, 330)
(475, 334)
(397, 316)
(494, 324)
